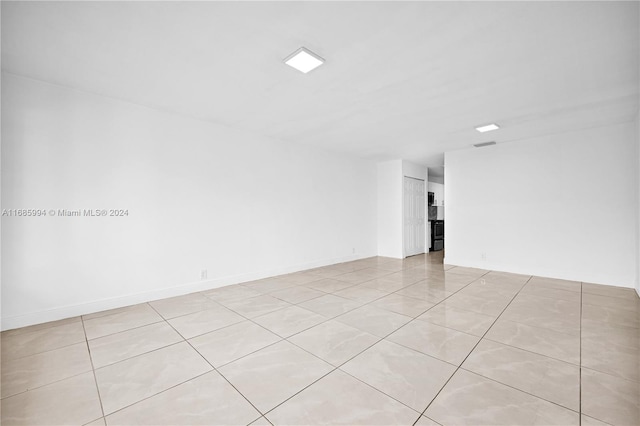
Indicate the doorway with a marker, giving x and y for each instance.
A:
(414, 216)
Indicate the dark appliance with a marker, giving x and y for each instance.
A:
(437, 235)
(431, 198)
(432, 212)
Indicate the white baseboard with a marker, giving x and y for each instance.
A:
(69, 311)
(525, 271)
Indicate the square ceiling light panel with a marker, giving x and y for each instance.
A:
(304, 60)
(488, 128)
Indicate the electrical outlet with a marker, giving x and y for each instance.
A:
(203, 274)
(353, 250)
(484, 256)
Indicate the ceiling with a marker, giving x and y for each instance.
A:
(404, 80)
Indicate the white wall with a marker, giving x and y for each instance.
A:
(438, 192)
(558, 206)
(199, 196)
(414, 171)
(390, 209)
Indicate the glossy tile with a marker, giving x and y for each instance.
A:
(271, 375)
(30, 372)
(495, 292)
(613, 316)
(516, 280)
(122, 320)
(256, 306)
(288, 321)
(70, 401)
(630, 303)
(205, 321)
(610, 399)
(206, 400)
(18, 345)
(408, 376)
(333, 341)
(183, 305)
(339, 399)
(556, 284)
(38, 327)
(223, 346)
(552, 306)
(297, 294)
(120, 346)
(477, 304)
(376, 321)
(590, 421)
(543, 341)
(113, 311)
(424, 291)
(326, 272)
(385, 284)
(372, 341)
(361, 293)
(329, 285)
(330, 306)
(544, 377)
(134, 379)
(232, 292)
(611, 333)
(426, 421)
(269, 285)
(459, 319)
(617, 360)
(262, 421)
(541, 312)
(299, 278)
(552, 293)
(471, 272)
(362, 275)
(448, 285)
(395, 279)
(439, 342)
(402, 305)
(469, 399)
(610, 291)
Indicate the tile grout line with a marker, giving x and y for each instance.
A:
(316, 356)
(93, 370)
(162, 319)
(367, 348)
(338, 367)
(145, 353)
(214, 369)
(129, 329)
(580, 363)
(532, 352)
(476, 345)
(328, 319)
(519, 390)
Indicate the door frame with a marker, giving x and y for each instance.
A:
(424, 236)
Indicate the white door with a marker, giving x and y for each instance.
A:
(414, 216)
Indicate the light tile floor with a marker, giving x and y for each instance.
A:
(375, 341)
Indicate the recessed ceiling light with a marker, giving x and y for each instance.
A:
(480, 145)
(487, 128)
(304, 60)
